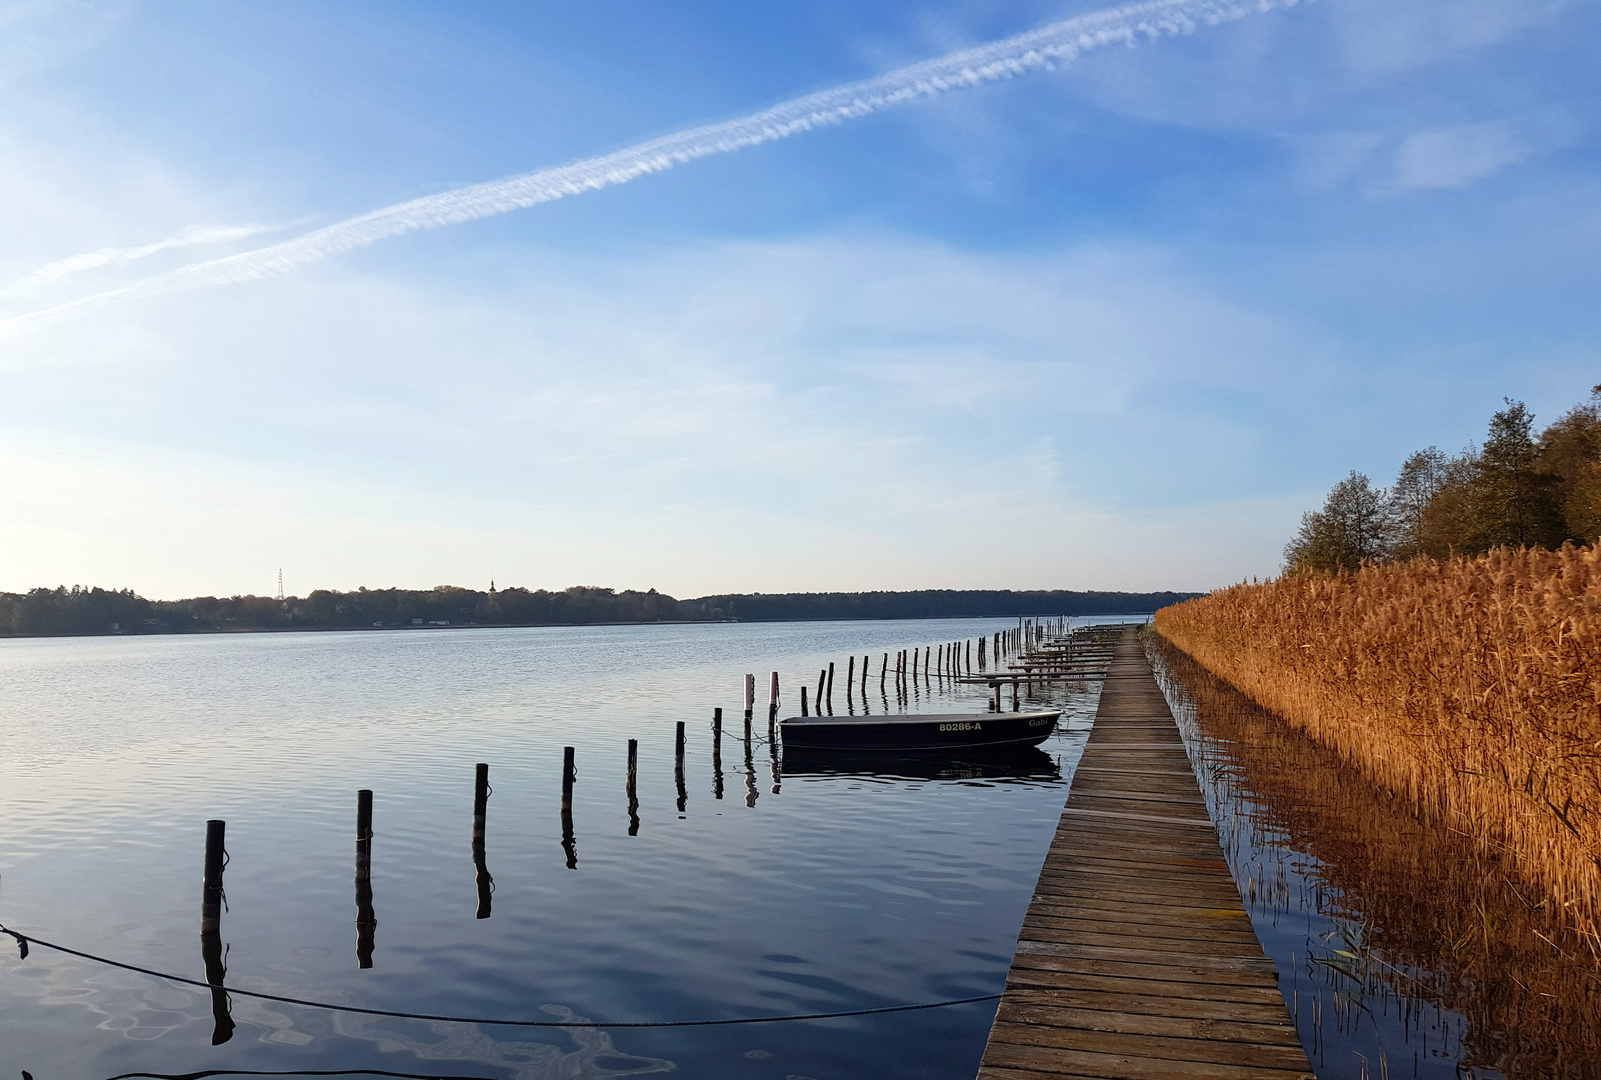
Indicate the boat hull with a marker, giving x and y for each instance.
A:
(929, 732)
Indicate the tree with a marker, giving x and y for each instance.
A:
(1570, 452)
(1422, 477)
(1351, 529)
(1514, 498)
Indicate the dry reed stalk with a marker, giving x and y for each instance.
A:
(1439, 920)
(1472, 687)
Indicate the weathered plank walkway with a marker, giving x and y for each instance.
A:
(1136, 958)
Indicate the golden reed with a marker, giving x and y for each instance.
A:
(1470, 687)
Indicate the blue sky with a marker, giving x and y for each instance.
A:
(1111, 325)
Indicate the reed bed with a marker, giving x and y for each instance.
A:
(1471, 688)
(1424, 915)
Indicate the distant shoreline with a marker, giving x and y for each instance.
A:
(88, 612)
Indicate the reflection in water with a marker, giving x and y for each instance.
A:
(569, 777)
(750, 771)
(678, 768)
(772, 753)
(633, 787)
(486, 883)
(366, 920)
(717, 753)
(212, 901)
(1024, 763)
(1396, 938)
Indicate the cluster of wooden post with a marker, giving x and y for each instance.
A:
(952, 659)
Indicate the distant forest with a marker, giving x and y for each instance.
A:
(1519, 490)
(79, 610)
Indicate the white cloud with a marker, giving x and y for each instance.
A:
(1459, 156)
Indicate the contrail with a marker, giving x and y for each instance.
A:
(94, 260)
(1058, 43)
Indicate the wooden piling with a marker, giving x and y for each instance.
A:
(569, 774)
(850, 676)
(633, 763)
(831, 688)
(882, 672)
(803, 702)
(211, 881)
(822, 678)
(480, 799)
(772, 702)
(750, 695)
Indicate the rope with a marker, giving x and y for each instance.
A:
(292, 1072)
(24, 940)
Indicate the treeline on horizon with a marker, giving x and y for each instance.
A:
(1519, 490)
(79, 610)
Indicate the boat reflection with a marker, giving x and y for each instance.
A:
(1024, 763)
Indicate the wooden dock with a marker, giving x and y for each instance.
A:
(1136, 960)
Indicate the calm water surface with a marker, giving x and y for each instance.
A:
(793, 892)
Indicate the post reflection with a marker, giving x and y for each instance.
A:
(717, 754)
(486, 882)
(569, 777)
(750, 772)
(678, 768)
(211, 950)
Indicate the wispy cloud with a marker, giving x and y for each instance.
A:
(196, 236)
(1058, 43)
(1459, 156)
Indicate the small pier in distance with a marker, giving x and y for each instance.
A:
(1136, 959)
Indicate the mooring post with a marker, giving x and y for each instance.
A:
(678, 749)
(772, 702)
(750, 695)
(865, 660)
(1014, 695)
(803, 702)
(850, 676)
(211, 883)
(480, 799)
(831, 688)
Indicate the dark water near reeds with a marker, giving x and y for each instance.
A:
(793, 892)
(1402, 950)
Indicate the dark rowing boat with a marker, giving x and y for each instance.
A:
(931, 731)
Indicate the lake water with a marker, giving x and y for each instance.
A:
(794, 892)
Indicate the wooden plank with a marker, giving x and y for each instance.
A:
(1132, 1008)
(1137, 960)
(1051, 1061)
(1212, 1051)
